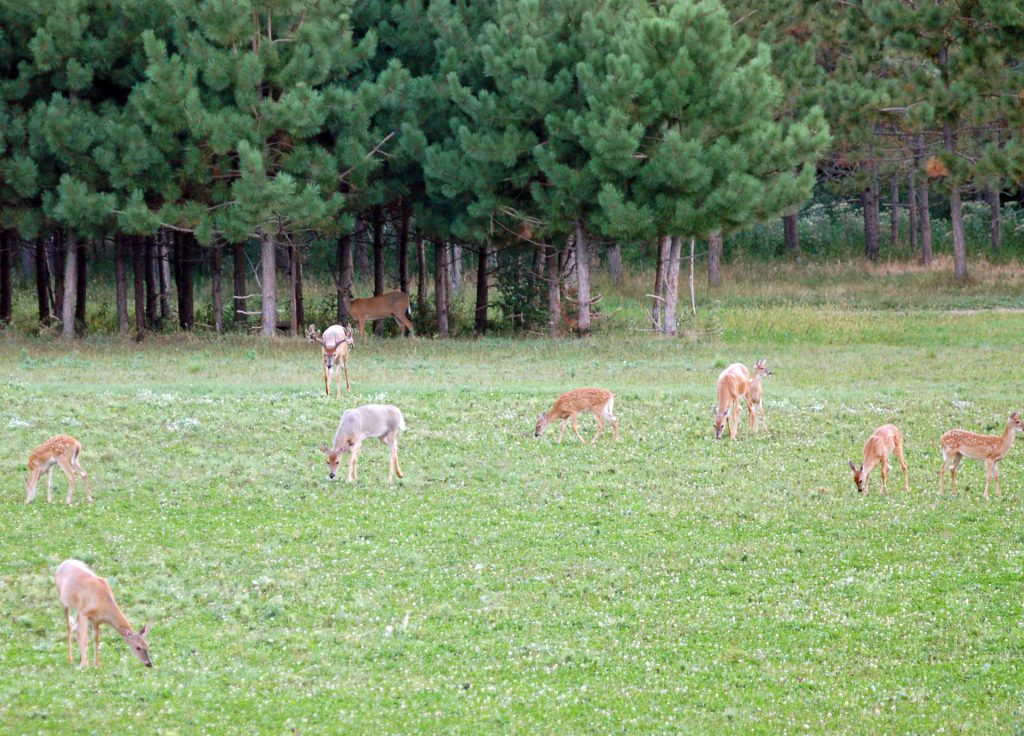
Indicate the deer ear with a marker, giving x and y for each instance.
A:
(145, 629)
(324, 450)
(714, 411)
(853, 467)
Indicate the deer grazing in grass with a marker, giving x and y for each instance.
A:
(733, 383)
(61, 450)
(884, 441)
(382, 421)
(334, 343)
(80, 588)
(755, 394)
(957, 444)
(393, 304)
(569, 404)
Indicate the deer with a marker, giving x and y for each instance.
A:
(880, 445)
(597, 400)
(335, 343)
(61, 450)
(80, 588)
(956, 444)
(394, 304)
(382, 421)
(733, 383)
(755, 395)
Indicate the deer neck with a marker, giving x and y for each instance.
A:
(113, 616)
(1006, 442)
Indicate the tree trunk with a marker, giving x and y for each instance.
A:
(956, 214)
(924, 213)
(42, 282)
(615, 265)
(7, 240)
(241, 306)
(403, 250)
(378, 251)
(421, 277)
(554, 278)
(82, 283)
(361, 256)
(218, 300)
(716, 244)
(672, 286)
(183, 280)
(481, 289)
(152, 316)
(298, 316)
(658, 310)
(996, 220)
(67, 314)
(693, 260)
(60, 251)
(456, 266)
(138, 283)
(869, 205)
(121, 281)
(268, 259)
(894, 213)
(441, 287)
(163, 273)
(790, 232)
(583, 277)
(912, 211)
(344, 275)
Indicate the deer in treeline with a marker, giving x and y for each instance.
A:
(956, 444)
(393, 304)
(80, 588)
(335, 343)
(597, 400)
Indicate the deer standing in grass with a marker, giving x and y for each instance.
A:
(880, 445)
(733, 383)
(80, 588)
(755, 394)
(382, 421)
(61, 450)
(334, 349)
(569, 404)
(393, 304)
(957, 444)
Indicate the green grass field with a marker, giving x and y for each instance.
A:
(665, 583)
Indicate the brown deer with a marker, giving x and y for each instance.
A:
(393, 304)
(569, 404)
(733, 383)
(80, 588)
(755, 395)
(957, 444)
(883, 442)
(61, 450)
(334, 350)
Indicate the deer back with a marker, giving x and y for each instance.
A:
(374, 307)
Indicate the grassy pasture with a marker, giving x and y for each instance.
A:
(664, 583)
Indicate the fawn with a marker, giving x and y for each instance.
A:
(569, 404)
(733, 383)
(882, 442)
(334, 350)
(755, 394)
(80, 588)
(957, 444)
(61, 450)
(382, 421)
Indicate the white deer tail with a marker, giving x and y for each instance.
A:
(401, 421)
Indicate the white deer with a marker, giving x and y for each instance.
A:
(957, 444)
(334, 350)
(382, 421)
(61, 450)
(80, 588)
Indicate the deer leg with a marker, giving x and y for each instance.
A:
(734, 419)
(67, 620)
(565, 423)
(576, 428)
(600, 426)
(952, 472)
(989, 465)
(764, 419)
(83, 639)
(84, 476)
(33, 481)
(903, 464)
(96, 643)
(71, 479)
(885, 475)
(347, 386)
(394, 453)
(352, 465)
(327, 381)
(49, 484)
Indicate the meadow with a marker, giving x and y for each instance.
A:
(664, 583)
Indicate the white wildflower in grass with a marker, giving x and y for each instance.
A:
(15, 423)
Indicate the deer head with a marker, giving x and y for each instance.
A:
(858, 476)
(761, 367)
(138, 644)
(720, 418)
(542, 423)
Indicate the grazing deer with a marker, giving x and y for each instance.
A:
(883, 441)
(334, 348)
(61, 450)
(80, 588)
(569, 404)
(394, 304)
(733, 383)
(755, 394)
(957, 444)
(382, 421)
